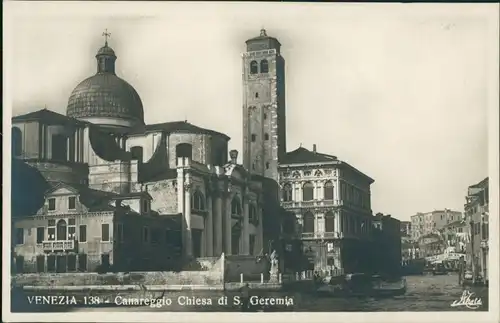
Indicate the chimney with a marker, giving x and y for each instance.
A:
(314, 148)
(233, 154)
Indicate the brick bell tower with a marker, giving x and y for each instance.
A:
(264, 123)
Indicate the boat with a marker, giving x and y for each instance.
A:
(361, 285)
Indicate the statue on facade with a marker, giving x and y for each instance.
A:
(274, 267)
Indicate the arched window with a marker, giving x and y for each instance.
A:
(328, 191)
(61, 230)
(252, 214)
(329, 222)
(264, 66)
(17, 141)
(287, 192)
(184, 150)
(198, 201)
(308, 192)
(236, 207)
(254, 68)
(308, 223)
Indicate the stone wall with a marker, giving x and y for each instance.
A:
(250, 266)
(212, 277)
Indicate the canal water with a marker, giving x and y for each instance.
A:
(424, 293)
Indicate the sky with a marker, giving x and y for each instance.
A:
(398, 91)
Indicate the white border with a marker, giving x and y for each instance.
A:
(488, 12)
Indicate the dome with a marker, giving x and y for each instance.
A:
(104, 98)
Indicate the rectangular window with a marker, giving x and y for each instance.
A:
(40, 234)
(52, 204)
(51, 234)
(71, 232)
(19, 236)
(104, 232)
(145, 234)
(83, 233)
(72, 203)
(82, 262)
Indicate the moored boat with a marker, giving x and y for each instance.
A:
(361, 285)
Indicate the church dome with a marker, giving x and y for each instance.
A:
(104, 98)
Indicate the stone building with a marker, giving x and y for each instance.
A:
(331, 200)
(158, 176)
(426, 223)
(477, 220)
(386, 247)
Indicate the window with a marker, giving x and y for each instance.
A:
(308, 192)
(71, 229)
(198, 201)
(266, 136)
(51, 263)
(51, 230)
(40, 234)
(328, 191)
(145, 234)
(329, 222)
(184, 150)
(267, 165)
(254, 137)
(265, 116)
(256, 94)
(253, 166)
(61, 230)
(236, 207)
(264, 66)
(72, 203)
(287, 192)
(83, 233)
(17, 141)
(52, 204)
(105, 232)
(308, 223)
(71, 263)
(252, 214)
(19, 236)
(254, 68)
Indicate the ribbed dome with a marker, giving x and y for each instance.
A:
(105, 98)
(105, 95)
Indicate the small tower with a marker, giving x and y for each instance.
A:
(106, 57)
(264, 132)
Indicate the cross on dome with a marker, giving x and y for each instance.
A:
(106, 36)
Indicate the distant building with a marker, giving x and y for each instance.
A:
(406, 228)
(426, 223)
(331, 200)
(477, 218)
(387, 243)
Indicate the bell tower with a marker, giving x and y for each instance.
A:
(264, 123)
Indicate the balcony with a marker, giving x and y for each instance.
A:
(322, 235)
(60, 245)
(313, 203)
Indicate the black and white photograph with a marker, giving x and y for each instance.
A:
(199, 160)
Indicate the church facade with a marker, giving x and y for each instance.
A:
(139, 196)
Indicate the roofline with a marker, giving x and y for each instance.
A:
(329, 163)
(22, 117)
(202, 130)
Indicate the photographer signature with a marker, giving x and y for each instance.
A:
(467, 301)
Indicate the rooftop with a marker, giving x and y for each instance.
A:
(47, 116)
(176, 126)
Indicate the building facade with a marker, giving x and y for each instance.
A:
(426, 223)
(331, 201)
(477, 219)
(181, 171)
(387, 245)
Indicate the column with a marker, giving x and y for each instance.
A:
(338, 229)
(299, 192)
(315, 190)
(209, 226)
(217, 232)
(68, 148)
(227, 226)
(187, 216)
(245, 237)
(294, 186)
(77, 146)
(321, 192)
(259, 236)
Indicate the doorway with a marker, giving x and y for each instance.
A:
(196, 235)
(61, 262)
